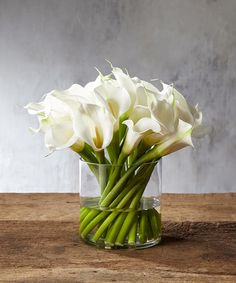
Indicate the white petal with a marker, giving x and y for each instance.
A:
(147, 125)
(95, 126)
(153, 138)
(183, 109)
(132, 137)
(60, 135)
(117, 99)
(164, 114)
(141, 96)
(151, 88)
(136, 132)
(83, 94)
(140, 112)
(179, 140)
(167, 93)
(125, 82)
(35, 108)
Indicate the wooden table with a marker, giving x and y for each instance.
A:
(38, 242)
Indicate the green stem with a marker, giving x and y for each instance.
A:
(136, 200)
(129, 190)
(89, 217)
(143, 225)
(112, 190)
(138, 152)
(83, 212)
(104, 225)
(125, 228)
(149, 227)
(113, 149)
(113, 177)
(89, 153)
(122, 127)
(94, 222)
(133, 232)
(155, 220)
(109, 195)
(114, 193)
(115, 228)
(100, 156)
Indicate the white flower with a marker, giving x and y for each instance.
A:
(95, 126)
(125, 82)
(82, 95)
(140, 92)
(57, 120)
(177, 140)
(182, 109)
(178, 120)
(140, 124)
(146, 93)
(115, 98)
(117, 109)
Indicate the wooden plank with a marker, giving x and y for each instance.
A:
(48, 250)
(175, 207)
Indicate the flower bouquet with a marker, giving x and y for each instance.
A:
(121, 127)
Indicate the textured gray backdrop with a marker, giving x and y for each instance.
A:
(48, 44)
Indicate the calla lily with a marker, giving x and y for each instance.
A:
(137, 131)
(146, 93)
(97, 114)
(169, 143)
(178, 120)
(95, 126)
(81, 94)
(189, 114)
(141, 92)
(57, 121)
(182, 109)
(116, 99)
(178, 140)
(124, 81)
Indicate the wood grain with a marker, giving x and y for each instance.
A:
(39, 243)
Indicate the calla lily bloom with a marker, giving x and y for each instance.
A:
(146, 93)
(95, 126)
(116, 99)
(97, 114)
(178, 140)
(125, 82)
(79, 94)
(178, 120)
(140, 124)
(137, 131)
(57, 121)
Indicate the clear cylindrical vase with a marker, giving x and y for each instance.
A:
(120, 204)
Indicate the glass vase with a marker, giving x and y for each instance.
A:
(120, 212)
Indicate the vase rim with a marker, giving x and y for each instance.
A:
(118, 165)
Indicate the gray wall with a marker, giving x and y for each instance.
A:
(48, 44)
